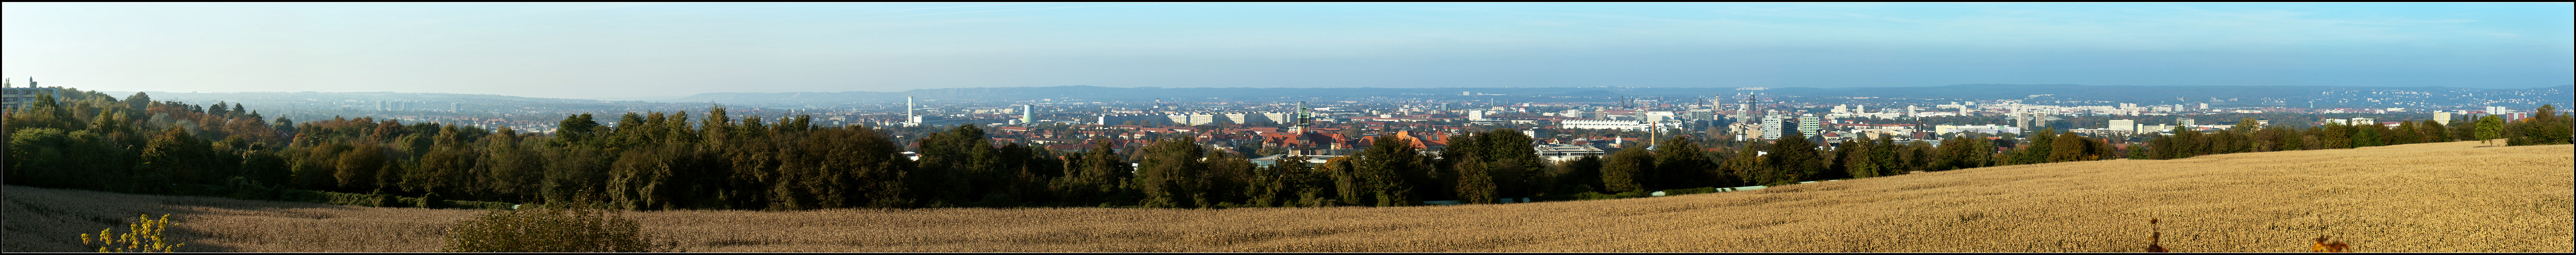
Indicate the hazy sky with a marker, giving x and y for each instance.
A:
(607, 50)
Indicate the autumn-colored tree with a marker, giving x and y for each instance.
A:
(2544, 127)
(2069, 147)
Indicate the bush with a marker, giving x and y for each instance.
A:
(1676, 192)
(144, 235)
(551, 229)
(473, 204)
(298, 195)
(426, 201)
(199, 190)
(1591, 196)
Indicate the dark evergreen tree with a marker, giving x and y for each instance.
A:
(1624, 170)
(1679, 165)
(1794, 159)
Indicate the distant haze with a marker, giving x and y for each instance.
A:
(648, 50)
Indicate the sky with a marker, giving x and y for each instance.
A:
(647, 50)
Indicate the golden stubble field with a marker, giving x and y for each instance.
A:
(2442, 197)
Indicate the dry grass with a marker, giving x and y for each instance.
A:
(2441, 197)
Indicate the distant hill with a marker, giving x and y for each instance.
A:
(299, 96)
(2345, 96)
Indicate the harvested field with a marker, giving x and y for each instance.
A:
(2441, 197)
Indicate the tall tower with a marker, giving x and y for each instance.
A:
(909, 117)
(1300, 129)
(1027, 116)
(1752, 99)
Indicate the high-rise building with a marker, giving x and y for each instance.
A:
(1630, 125)
(13, 97)
(2028, 120)
(1143, 119)
(2184, 122)
(1192, 119)
(1750, 100)
(1810, 125)
(2363, 121)
(1771, 126)
(2442, 117)
(2124, 125)
(1659, 116)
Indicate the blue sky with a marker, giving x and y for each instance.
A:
(608, 50)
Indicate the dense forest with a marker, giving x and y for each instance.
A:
(663, 161)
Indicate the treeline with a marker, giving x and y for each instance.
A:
(2544, 127)
(660, 161)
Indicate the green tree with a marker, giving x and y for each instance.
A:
(2490, 128)
(174, 157)
(576, 129)
(1580, 175)
(37, 158)
(1858, 158)
(2335, 136)
(1795, 159)
(2069, 147)
(1886, 154)
(1962, 152)
(2433, 132)
(2038, 150)
(1747, 167)
(2367, 135)
(1679, 164)
(2403, 133)
(1624, 170)
(1388, 170)
(1514, 162)
(1475, 182)
(956, 166)
(1170, 175)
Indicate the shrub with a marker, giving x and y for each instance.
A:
(144, 235)
(1594, 196)
(473, 204)
(551, 229)
(1677, 192)
(426, 201)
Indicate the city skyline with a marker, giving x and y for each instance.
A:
(616, 50)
